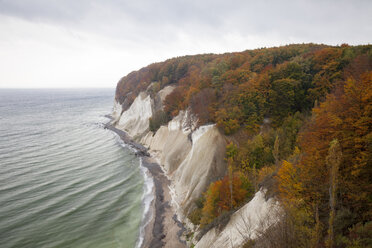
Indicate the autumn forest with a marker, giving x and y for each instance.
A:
(298, 122)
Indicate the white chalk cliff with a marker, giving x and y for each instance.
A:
(116, 112)
(192, 158)
(135, 120)
(256, 216)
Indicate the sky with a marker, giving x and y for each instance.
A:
(93, 43)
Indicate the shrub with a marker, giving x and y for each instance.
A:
(195, 216)
(359, 236)
(158, 119)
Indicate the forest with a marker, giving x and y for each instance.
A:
(297, 120)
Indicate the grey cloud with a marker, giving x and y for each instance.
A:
(52, 10)
(160, 20)
(112, 37)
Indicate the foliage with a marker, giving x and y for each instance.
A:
(289, 184)
(210, 211)
(282, 98)
(158, 119)
(282, 106)
(359, 236)
(345, 116)
(217, 197)
(173, 102)
(238, 90)
(228, 120)
(333, 161)
(195, 216)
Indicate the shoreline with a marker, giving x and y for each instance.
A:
(160, 224)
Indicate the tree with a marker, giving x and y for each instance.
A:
(211, 198)
(231, 152)
(228, 120)
(202, 104)
(282, 98)
(346, 115)
(297, 211)
(333, 161)
(174, 102)
(219, 198)
(276, 150)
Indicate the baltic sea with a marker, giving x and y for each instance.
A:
(65, 181)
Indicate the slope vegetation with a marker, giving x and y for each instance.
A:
(295, 120)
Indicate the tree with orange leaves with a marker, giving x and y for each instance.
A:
(219, 198)
(346, 115)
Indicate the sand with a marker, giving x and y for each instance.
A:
(163, 230)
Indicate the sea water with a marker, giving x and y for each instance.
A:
(65, 181)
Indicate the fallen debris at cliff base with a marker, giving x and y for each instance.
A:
(140, 150)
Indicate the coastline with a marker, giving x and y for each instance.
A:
(160, 223)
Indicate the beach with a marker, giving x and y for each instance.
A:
(162, 227)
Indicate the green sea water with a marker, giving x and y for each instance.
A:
(65, 181)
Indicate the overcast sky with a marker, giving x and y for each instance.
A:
(92, 43)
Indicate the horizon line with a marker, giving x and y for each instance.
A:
(53, 88)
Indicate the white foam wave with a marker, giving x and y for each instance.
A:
(147, 198)
(123, 144)
(148, 193)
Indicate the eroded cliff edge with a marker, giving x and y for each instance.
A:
(192, 157)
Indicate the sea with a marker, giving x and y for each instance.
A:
(65, 180)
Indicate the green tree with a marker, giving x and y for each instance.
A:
(281, 100)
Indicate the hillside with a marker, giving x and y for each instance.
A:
(294, 121)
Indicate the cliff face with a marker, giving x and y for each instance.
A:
(245, 224)
(135, 120)
(191, 157)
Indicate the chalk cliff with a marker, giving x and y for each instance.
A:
(192, 157)
(254, 217)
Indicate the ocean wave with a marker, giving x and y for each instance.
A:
(148, 194)
(147, 198)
